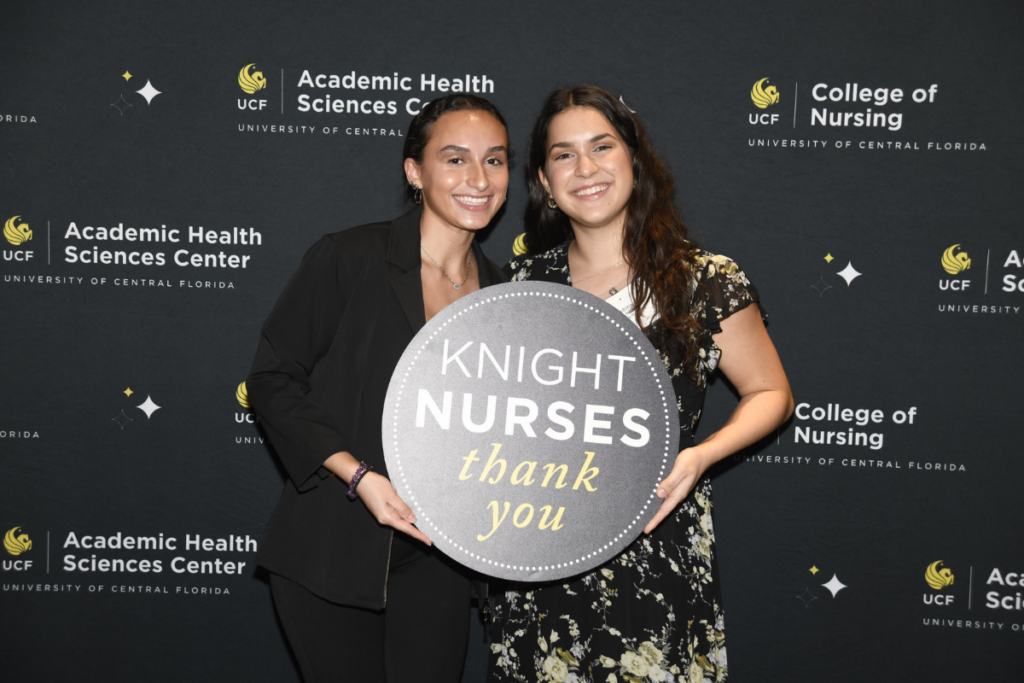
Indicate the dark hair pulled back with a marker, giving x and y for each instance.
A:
(418, 135)
(655, 244)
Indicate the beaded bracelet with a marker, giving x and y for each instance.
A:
(356, 478)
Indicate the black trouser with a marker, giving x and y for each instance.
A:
(420, 636)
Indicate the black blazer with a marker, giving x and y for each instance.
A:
(318, 383)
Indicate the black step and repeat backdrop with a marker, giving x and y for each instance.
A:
(163, 166)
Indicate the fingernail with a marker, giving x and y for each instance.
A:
(661, 493)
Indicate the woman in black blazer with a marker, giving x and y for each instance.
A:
(360, 592)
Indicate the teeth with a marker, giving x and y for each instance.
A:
(591, 190)
(475, 201)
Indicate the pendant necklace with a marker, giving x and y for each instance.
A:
(615, 290)
(611, 291)
(469, 264)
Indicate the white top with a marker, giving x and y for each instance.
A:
(624, 301)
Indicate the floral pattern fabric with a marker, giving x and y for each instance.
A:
(653, 614)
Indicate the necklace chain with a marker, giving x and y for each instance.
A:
(469, 264)
(600, 272)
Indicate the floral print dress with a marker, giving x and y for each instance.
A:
(654, 613)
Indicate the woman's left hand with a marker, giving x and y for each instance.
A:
(688, 470)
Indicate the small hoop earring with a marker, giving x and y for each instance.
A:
(551, 202)
(417, 194)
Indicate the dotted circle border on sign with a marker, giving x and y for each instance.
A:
(664, 461)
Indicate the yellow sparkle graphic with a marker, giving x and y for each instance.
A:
(814, 570)
(126, 75)
(829, 258)
(128, 392)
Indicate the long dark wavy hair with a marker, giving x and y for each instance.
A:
(655, 244)
(418, 135)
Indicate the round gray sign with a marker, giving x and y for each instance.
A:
(528, 425)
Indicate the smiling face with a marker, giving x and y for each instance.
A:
(589, 169)
(464, 172)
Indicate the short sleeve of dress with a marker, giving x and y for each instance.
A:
(728, 290)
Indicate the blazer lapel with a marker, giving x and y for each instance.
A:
(404, 252)
(409, 290)
(484, 273)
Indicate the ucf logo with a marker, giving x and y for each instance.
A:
(938, 579)
(519, 246)
(15, 544)
(242, 396)
(17, 235)
(955, 263)
(763, 98)
(251, 83)
(247, 416)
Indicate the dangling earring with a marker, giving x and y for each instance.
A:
(551, 202)
(417, 194)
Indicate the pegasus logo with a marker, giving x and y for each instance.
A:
(955, 263)
(251, 82)
(764, 97)
(938, 578)
(15, 543)
(242, 394)
(17, 234)
(519, 246)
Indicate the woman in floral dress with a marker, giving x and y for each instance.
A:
(601, 217)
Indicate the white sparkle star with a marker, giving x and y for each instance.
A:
(148, 407)
(149, 92)
(834, 585)
(849, 273)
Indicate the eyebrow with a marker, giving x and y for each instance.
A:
(565, 145)
(464, 150)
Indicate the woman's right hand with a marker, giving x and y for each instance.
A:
(388, 509)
